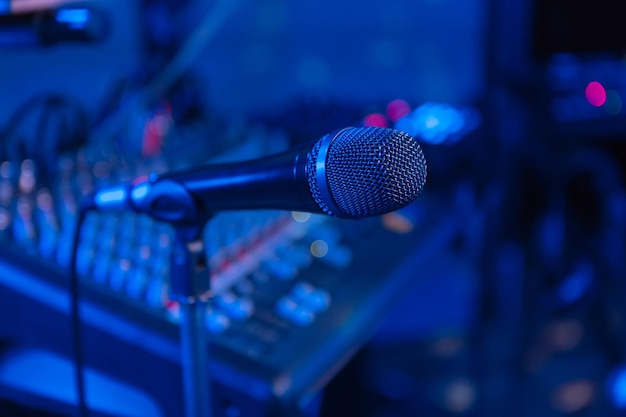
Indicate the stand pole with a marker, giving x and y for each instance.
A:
(190, 286)
(194, 360)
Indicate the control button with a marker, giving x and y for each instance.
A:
(216, 322)
(119, 272)
(136, 282)
(90, 228)
(84, 258)
(159, 263)
(315, 299)
(155, 291)
(238, 308)
(106, 240)
(288, 309)
(302, 290)
(48, 233)
(101, 268)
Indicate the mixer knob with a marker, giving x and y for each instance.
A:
(155, 291)
(216, 322)
(315, 299)
(84, 258)
(238, 308)
(136, 282)
(101, 268)
(119, 274)
(291, 311)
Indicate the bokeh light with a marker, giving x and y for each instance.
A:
(375, 120)
(437, 123)
(596, 94)
(613, 105)
(301, 217)
(319, 248)
(616, 386)
(397, 109)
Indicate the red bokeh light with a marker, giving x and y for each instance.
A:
(375, 120)
(397, 109)
(596, 94)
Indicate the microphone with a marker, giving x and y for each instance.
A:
(353, 173)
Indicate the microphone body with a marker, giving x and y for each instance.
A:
(352, 173)
(274, 182)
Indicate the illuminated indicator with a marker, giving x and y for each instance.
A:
(397, 109)
(74, 18)
(613, 103)
(140, 191)
(596, 94)
(113, 196)
(375, 120)
(319, 248)
(301, 217)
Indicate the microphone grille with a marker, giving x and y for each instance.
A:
(369, 171)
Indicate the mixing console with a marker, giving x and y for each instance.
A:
(296, 294)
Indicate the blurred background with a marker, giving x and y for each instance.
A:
(498, 292)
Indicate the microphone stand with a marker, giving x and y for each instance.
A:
(190, 286)
(190, 281)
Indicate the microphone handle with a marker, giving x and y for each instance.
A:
(275, 182)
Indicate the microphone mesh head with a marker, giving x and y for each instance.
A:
(369, 171)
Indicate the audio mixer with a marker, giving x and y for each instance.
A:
(296, 294)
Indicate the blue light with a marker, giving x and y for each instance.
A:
(74, 18)
(431, 122)
(577, 284)
(54, 379)
(437, 123)
(111, 197)
(140, 191)
(617, 387)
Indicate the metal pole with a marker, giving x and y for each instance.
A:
(194, 359)
(190, 286)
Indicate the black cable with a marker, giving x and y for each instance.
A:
(75, 315)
